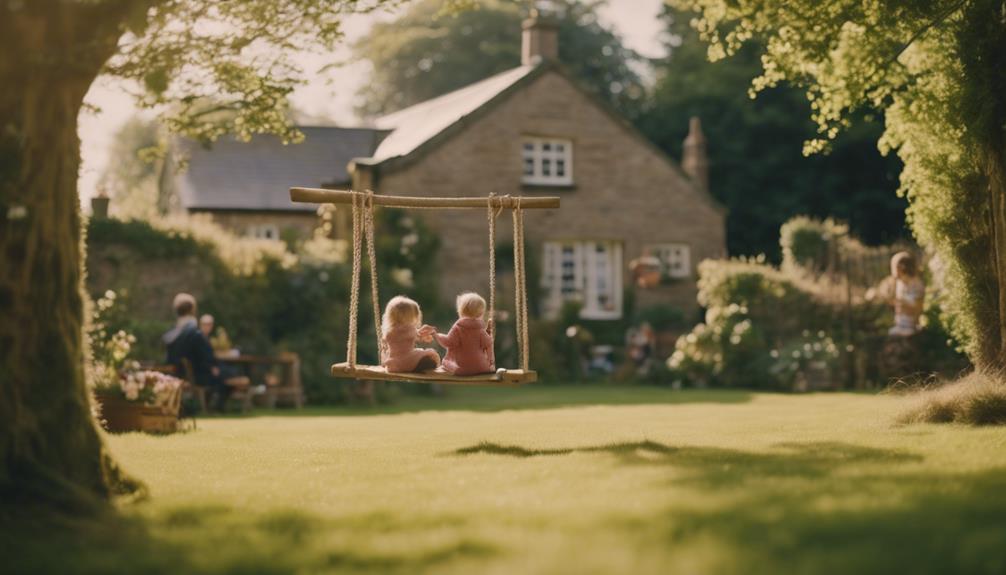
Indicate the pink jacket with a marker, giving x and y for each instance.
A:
(402, 354)
(469, 348)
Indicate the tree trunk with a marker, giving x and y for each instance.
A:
(994, 167)
(50, 448)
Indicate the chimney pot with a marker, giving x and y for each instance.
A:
(694, 161)
(540, 39)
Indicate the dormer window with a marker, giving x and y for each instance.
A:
(547, 162)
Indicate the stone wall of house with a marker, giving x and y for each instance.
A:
(291, 225)
(624, 189)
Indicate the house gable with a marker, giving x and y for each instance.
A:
(396, 156)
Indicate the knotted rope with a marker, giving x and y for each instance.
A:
(492, 214)
(354, 289)
(372, 256)
(363, 225)
(520, 285)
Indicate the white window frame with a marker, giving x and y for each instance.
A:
(586, 271)
(544, 157)
(675, 259)
(263, 231)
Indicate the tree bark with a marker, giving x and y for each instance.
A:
(994, 166)
(50, 448)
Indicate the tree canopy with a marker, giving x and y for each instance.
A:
(208, 67)
(936, 70)
(434, 48)
(756, 166)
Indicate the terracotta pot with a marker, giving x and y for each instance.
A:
(120, 415)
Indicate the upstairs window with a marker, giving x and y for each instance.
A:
(547, 162)
(263, 232)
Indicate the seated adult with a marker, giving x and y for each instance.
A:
(186, 341)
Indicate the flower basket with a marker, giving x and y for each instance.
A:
(147, 401)
(118, 414)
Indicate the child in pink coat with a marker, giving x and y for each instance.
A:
(469, 345)
(400, 330)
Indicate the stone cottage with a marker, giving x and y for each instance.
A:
(533, 131)
(527, 131)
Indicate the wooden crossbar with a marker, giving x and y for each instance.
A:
(503, 377)
(321, 196)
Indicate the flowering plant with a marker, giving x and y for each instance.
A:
(111, 370)
(149, 387)
(726, 349)
(811, 351)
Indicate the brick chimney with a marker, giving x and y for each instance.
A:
(540, 40)
(694, 161)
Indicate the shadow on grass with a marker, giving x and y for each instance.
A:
(216, 539)
(489, 399)
(816, 507)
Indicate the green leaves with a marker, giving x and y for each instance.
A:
(211, 68)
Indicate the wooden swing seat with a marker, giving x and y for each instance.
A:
(502, 377)
(363, 232)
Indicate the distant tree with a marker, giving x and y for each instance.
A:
(434, 48)
(756, 166)
(130, 178)
(212, 67)
(936, 69)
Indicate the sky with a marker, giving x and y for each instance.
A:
(329, 96)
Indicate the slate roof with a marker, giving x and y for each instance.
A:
(256, 175)
(415, 125)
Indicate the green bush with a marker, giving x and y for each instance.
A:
(269, 299)
(779, 328)
(809, 243)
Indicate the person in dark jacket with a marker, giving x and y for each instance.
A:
(186, 341)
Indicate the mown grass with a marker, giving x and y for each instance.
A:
(634, 480)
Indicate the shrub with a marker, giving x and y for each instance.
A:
(268, 298)
(726, 350)
(661, 317)
(786, 329)
(808, 243)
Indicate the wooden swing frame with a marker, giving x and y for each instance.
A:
(363, 204)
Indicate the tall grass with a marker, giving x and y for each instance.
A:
(976, 399)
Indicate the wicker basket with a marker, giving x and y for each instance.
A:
(121, 415)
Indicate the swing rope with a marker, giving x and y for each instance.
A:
(364, 229)
(520, 285)
(363, 225)
(372, 256)
(354, 289)
(492, 215)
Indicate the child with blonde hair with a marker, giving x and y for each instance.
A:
(400, 328)
(909, 294)
(469, 345)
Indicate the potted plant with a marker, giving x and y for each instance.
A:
(141, 401)
(128, 399)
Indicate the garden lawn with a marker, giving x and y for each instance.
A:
(556, 480)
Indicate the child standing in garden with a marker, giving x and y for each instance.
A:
(400, 328)
(909, 292)
(469, 345)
